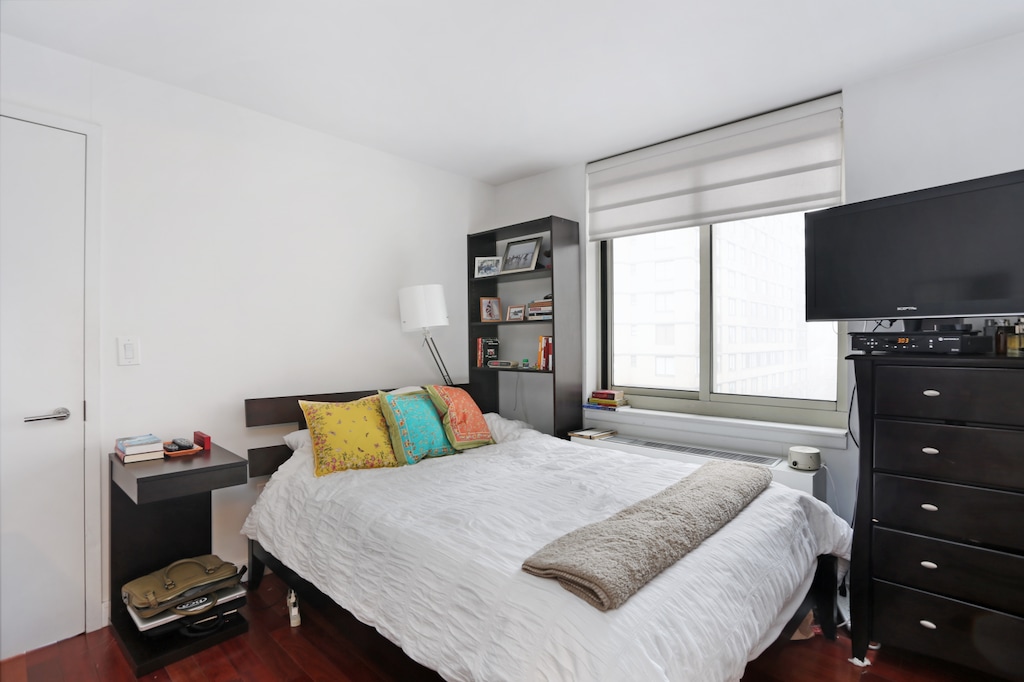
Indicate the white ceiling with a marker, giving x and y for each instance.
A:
(502, 89)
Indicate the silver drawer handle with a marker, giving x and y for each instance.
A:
(929, 564)
(928, 624)
(931, 393)
(60, 414)
(929, 451)
(929, 507)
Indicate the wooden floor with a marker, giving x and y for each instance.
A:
(348, 651)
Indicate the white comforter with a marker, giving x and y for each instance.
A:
(431, 556)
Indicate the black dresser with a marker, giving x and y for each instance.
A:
(938, 554)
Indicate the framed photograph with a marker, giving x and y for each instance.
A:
(521, 256)
(515, 313)
(490, 309)
(487, 266)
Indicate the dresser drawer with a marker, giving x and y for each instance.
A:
(957, 512)
(989, 396)
(948, 629)
(980, 576)
(966, 454)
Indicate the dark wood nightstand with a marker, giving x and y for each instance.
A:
(159, 513)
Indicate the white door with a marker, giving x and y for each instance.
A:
(42, 463)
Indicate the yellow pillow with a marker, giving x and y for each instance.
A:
(348, 435)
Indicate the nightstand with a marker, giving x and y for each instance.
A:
(159, 513)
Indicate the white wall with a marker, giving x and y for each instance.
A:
(252, 258)
(950, 119)
(945, 120)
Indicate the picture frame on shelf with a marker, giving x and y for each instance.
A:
(515, 313)
(490, 309)
(487, 266)
(521, 255)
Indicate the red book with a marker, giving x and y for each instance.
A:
(607, 395)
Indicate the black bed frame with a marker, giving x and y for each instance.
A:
(264, 461)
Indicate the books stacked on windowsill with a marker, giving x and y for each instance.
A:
(606, 400)
(593, 434)
(542, 309)
(139, 448)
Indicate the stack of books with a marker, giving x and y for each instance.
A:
(593, 434)
(545, 353)
(606, 400)
(139, 448)
(486, 350)
(542, 309)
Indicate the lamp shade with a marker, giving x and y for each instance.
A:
(422, 306)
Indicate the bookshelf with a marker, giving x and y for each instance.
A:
(561, 277)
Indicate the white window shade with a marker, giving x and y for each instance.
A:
(786, 161)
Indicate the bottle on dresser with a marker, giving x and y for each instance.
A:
(1015, 340)
(1001, 331)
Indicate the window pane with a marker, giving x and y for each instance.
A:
(656, 310)
(762, 345)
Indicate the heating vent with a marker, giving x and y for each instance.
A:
(700, 452)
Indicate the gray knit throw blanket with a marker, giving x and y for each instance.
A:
(606, 562)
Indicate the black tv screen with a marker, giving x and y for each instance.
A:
(951, 251)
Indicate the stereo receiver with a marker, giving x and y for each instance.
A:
(942, 343)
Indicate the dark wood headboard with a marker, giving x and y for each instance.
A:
(284, 410)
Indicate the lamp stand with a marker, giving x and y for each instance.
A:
(429, 341)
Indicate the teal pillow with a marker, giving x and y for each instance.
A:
(414, 426)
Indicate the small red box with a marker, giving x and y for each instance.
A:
(202, 440)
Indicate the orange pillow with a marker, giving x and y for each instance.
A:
(464, 423)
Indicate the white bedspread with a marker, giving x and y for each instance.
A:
(431, 556)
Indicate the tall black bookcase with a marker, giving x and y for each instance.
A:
(559, 275)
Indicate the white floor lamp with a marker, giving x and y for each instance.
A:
(422, 307)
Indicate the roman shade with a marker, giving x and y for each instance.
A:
(781, 162)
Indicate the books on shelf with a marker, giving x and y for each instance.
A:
(545, 353)
(542, 309)
(134, 445)
(486, 350)
(593, 434)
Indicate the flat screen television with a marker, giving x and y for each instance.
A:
(955, 251)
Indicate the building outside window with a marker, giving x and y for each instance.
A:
(761, 345)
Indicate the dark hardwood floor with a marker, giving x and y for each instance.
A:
(332, 646)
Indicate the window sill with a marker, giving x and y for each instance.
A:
(740, 435)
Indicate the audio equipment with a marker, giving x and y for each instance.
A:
(941, 343)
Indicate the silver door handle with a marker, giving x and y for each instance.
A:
(60, 414)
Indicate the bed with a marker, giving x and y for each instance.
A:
(431, 556)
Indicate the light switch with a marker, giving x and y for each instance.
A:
(129, 350)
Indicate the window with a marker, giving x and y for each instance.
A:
(760, 262)
(705, 269)
(760, 343)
